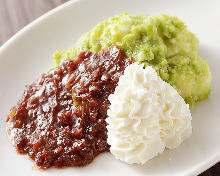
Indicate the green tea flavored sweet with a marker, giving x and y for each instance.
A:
(161, 41)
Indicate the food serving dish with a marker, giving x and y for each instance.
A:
(29, 53)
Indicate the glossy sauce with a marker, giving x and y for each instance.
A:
(60, 119)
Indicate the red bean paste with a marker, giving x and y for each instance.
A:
(60, 119)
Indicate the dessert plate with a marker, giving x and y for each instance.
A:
(29, 53)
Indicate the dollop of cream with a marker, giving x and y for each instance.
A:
(146, 115)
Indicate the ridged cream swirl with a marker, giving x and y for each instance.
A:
(146, 115)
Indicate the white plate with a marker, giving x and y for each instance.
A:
(29, 53)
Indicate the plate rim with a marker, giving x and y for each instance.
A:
(36, 22)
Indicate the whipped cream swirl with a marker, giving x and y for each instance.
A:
(146, 115)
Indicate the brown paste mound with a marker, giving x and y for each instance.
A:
(60, 119)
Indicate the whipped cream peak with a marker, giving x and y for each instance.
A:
(146, 116)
